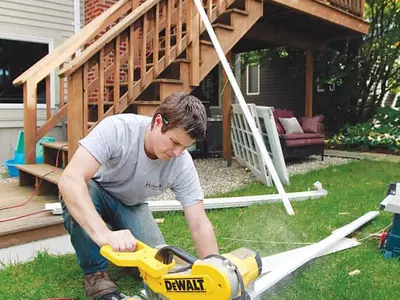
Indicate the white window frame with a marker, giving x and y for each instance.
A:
(32, 39)
(247, 80)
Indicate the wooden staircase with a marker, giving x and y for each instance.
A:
(124, 70)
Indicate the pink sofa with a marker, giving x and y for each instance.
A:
(296, 145)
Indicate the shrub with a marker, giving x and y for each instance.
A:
(382, 131)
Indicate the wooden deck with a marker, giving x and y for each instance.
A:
(31, 228)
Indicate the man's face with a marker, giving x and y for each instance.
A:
(171, 143)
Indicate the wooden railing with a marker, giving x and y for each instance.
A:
(54, 60)
(355, 7)
(143, 41)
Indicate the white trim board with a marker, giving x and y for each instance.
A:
(247, 81)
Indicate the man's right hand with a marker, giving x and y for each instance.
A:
(120, 241)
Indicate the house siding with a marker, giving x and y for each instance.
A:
(50, 21)
(280, 86)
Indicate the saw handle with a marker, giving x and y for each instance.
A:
(166, 254)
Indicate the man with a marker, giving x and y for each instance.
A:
(124, 160)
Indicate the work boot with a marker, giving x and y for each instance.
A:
(99, 284)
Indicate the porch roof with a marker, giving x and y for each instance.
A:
(306, 24)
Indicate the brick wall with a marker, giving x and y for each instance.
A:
(94, 8)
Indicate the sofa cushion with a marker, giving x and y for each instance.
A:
(299, 136)
(281, 113)
(303, 139)
(311, 125)
(291, 125)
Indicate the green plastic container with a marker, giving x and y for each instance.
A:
(20, 147)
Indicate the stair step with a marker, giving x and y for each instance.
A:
(44, 171)
(224, 26)
(237, 10)
(58, 145)
(181, 60)
(105, 103)
(145, 102)
(90, 124)
(205, 42)
(167, 80)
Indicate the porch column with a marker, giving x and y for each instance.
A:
(226, 115)
(309, 83)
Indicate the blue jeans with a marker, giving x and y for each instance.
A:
(138, 219)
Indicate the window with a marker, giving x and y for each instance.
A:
(15, 58)
(253, 80)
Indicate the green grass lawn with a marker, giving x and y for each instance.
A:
(354, 189)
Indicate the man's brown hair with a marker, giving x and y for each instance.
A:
(181, 110)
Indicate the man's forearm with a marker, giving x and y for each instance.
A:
(80, 206)
(205, 240)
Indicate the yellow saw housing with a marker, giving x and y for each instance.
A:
(217, 277)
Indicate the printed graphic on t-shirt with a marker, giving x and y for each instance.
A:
(153, 186)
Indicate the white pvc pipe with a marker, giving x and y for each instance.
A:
(217, 203)
(77, 20)
(244, 107)
(264, 283)
(77, 16)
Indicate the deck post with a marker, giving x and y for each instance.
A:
(226, 115)
(30, 120)
(75, 111)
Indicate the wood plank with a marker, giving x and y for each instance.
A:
(30, 120)
(309, 83)
(168, 32)
(45, 171)
(194, 48)
(75, 111)
(62, 90)
(327, 12)
(226, 115)
(48, 226)
(85, 97)
(131, 62)
(100, 99)
(143, 52)
(48, 98)
(117, 67)
(156, 38)
(179, 27)
(58, 145)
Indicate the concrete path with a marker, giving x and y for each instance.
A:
(363, 155)
(27, 252)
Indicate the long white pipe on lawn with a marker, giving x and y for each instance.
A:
(264, 283)
(244, 107)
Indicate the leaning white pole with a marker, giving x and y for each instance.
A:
(264, 283)
(244, 107)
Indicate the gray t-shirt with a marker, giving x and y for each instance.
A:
(127, 173)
